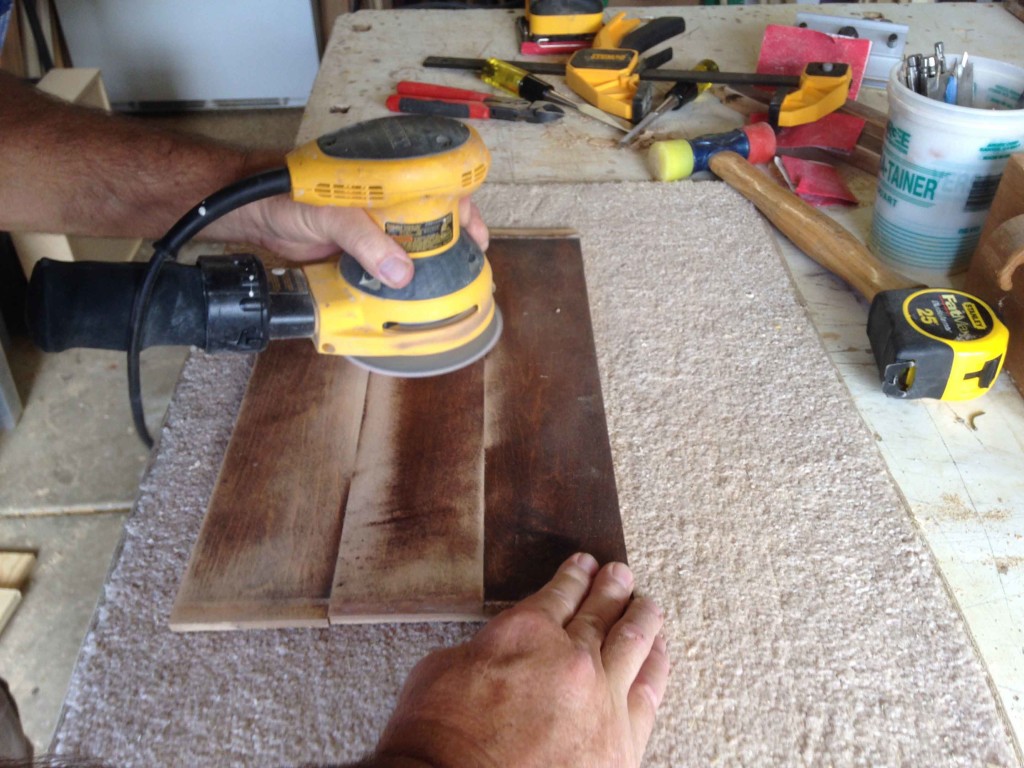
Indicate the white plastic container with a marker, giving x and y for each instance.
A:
(941, 164)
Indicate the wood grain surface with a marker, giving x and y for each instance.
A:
(992, 276)
(266, 552)
(413, 540)
(347, 497)
(549, 480)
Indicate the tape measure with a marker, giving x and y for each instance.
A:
(940, 343)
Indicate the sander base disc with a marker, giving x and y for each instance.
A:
(422, 366)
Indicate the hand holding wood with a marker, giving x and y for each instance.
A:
(572, 675)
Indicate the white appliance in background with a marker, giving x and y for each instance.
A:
(195, 54)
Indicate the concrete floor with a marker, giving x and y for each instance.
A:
(70, 469)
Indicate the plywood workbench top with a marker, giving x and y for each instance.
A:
(370, 51)
(957, 464)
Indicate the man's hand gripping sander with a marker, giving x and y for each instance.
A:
(408, 172)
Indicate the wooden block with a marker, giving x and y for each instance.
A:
(12, 52)
(991, 275)
(81, 85)
(549, 480)
(265, 555)
(413, 542)
(15, 568)
(9, 600)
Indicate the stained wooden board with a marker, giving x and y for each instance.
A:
(265, 555)
(549, 481)
(442, 499)
(413, 539)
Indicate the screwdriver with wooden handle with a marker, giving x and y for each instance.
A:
(927, 342)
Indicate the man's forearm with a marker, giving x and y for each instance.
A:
(139, 179)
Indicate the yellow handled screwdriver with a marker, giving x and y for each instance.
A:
(509, 77)
(517, 81)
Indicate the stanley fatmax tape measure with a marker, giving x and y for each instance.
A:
(938, 343)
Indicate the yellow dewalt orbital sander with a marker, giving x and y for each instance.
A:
(409, 173)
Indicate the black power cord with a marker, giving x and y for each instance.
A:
(234, 196)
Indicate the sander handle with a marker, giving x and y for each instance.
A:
(222, 304)
(88, 304)
(817, 235)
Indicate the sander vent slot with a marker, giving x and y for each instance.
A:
(392, 325)
(475, 176)
(351, 192)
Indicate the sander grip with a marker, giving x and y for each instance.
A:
(89, 304)
(221, 304)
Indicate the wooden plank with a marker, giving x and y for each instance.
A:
(549, 479)
(412, 545)
(9, 600)
(266, 552)
(326, 13)
(522, 434)
(12, 53)
(15, 568)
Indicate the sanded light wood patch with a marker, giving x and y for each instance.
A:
(414, 536)
(441, 499)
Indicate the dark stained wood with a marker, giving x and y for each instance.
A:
(549, 480)
(412, 546)
(265, 555)
(521, 434)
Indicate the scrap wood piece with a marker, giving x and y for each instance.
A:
(15, 568)
(549, 479)
(9, 600)
(995, 273)
(412, 544)
(265, 554)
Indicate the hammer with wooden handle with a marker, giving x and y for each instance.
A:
(935, 343)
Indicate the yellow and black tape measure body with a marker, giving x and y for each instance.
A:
(937, 343)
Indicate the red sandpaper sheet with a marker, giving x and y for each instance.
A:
(836, 130)
(787, 50)
(817, 183)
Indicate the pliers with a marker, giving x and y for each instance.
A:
(429, 99)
